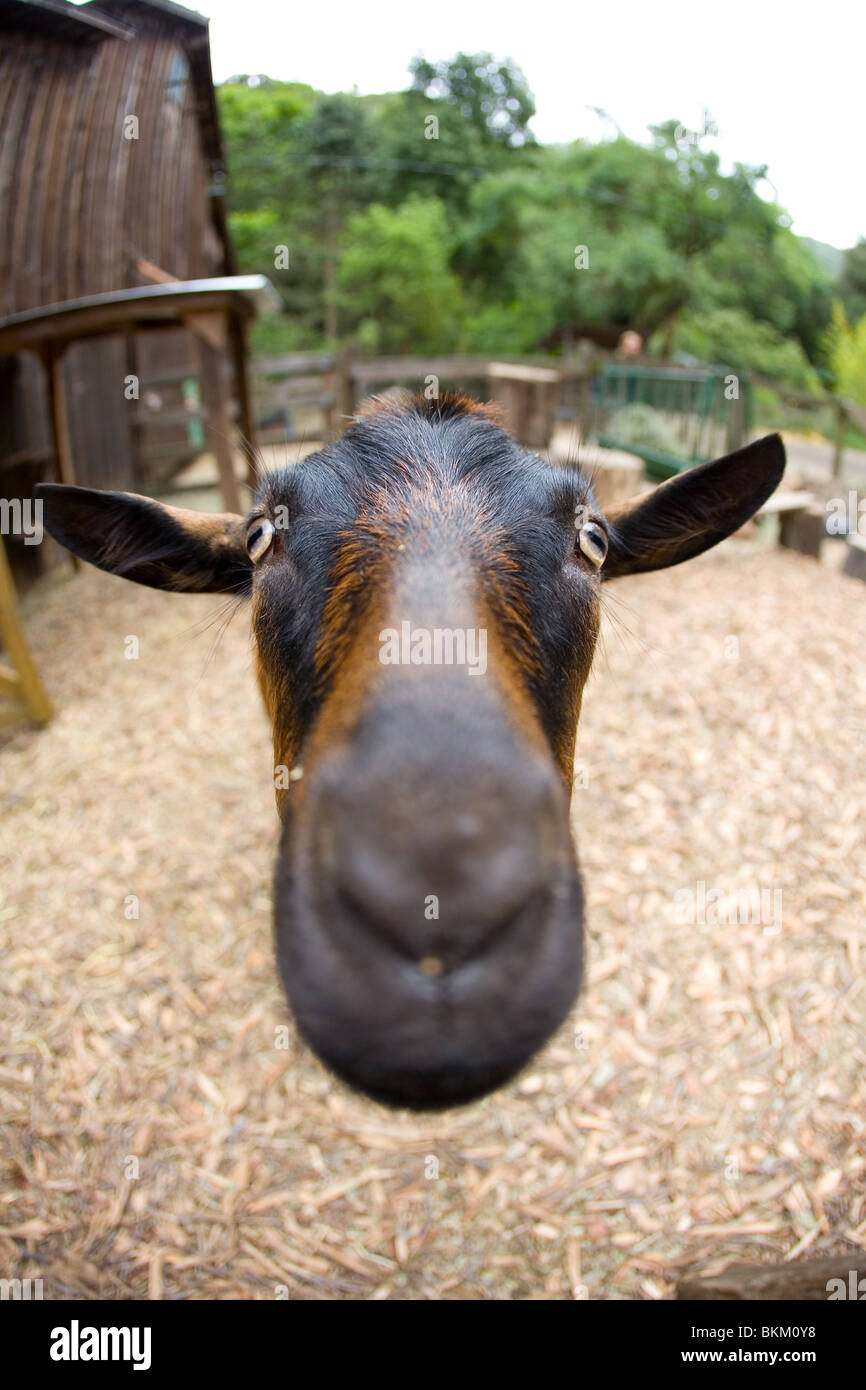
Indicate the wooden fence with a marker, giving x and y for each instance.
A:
(311, 395)
(845, 413)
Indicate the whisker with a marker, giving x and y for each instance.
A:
(226, 614)
(255, 458)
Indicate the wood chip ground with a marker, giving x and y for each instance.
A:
(705, 1102)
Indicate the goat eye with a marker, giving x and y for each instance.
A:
(259, 537)
(593, 542)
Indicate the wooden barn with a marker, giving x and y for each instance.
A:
(112, 225)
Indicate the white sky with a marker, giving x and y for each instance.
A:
(784, 80)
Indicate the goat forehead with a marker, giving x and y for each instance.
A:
(433, 472)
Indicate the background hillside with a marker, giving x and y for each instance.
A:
(431, 220)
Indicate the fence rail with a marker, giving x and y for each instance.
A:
(846, 413)
(312, 394)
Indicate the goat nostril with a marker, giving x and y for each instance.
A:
(490, 883)
(467, 826)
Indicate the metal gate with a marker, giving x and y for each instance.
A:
(672, 417)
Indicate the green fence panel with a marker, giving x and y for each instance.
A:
(672, 417)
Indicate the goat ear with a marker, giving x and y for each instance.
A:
(693, 511)
(143, 540)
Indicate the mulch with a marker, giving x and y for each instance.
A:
(706, 1101)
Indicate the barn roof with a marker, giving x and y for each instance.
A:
(166, 7)
(59, 18)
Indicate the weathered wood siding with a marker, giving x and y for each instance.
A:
(98, 414)
(79, 202)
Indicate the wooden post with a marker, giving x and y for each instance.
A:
(22, 683)
(839, 443)
(52, 357)
(210, 329)
(240, 359)
(528, 396)
(584, 404)
(52, 360)
(134, 425)
(345, 385)
(329, 391)
(735, 430)
(331, 309)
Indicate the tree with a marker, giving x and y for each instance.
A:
(396, 286)
(335, 144)
(258, 117)
(731, 338)
(492, 96)
(852, 281)
(418, 220)
(424, 146)
(846, 352)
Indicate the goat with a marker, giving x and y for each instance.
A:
(428, 902)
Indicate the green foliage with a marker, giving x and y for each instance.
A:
(257, 117)
(846, 353)
(274, 333)
(397, 292)
(507, 330)
(414, 155)
(430, 220)
(731, 338)
(492, 96)
(644, 425)
(335, 143)
(852, 281)
(769, 276)
(255, 234)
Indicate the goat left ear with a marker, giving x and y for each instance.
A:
(143, 540)
(693, 511)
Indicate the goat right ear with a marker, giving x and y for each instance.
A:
(148, 542)
(693, 511)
